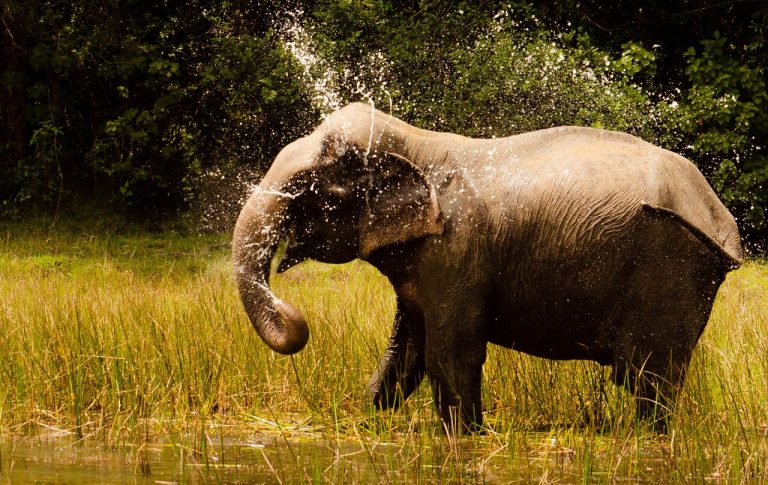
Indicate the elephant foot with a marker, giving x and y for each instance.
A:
(457, 420)
(654, 402)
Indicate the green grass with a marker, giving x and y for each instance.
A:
(117, 337)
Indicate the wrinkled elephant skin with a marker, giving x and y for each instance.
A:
(565, 243)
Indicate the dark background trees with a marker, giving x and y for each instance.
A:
(138, 107)
(124, 102)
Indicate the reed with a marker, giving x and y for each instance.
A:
(134, 338)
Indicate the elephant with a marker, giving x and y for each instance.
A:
(563, 243)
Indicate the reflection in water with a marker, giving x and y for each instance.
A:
(272, 458)
(165, 459)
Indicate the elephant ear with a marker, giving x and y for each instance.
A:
(401, 205)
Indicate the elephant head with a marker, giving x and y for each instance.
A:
(337, 194)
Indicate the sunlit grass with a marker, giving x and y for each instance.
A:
(129, 338)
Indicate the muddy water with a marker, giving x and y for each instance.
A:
(166, 460)
(254, 458)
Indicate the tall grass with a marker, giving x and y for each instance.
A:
(131, 338)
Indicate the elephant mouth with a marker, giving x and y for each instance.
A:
(293, 254)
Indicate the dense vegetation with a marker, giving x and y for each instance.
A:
(137, 105)
(137, 342)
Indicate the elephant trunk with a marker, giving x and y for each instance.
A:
(259, 229)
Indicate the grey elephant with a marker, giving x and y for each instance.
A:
(564, 243)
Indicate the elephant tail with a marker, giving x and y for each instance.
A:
(730, 255)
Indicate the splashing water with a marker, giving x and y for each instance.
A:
(255, 188)
(539, 83)
(370, 136)
(317, 72)
(326, 83)
(217, 196)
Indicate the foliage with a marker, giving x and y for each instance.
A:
(134, 105)
(725, 114)
(126, 102)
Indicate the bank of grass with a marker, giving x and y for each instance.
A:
(115, 336)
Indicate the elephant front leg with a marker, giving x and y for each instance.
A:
(456, 382)
(455, 361)
(402, 367)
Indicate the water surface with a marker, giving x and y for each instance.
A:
(274, 458)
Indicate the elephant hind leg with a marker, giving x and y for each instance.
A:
(667, 301)
(402, 367)
(656, 393)
(654, 380)
(653, 364)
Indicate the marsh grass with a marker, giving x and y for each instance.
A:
(138, 340)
